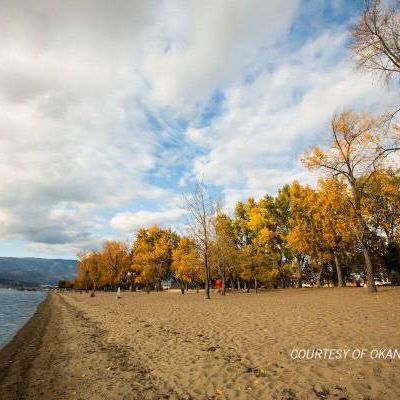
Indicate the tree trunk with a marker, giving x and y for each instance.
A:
(300, 280)
(238, 284)
(207, 288)
(361, 232)
(232, 285)
(94, 290)
(283, 280)
(256, 285)
(338, 270)
(319, 277)
(158, 286)
(223, 291)
(207, 271)
(370, 271)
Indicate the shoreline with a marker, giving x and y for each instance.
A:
(24, 323)
(62, 354)
(16, 356)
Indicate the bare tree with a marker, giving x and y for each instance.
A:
(201, 210)
(376, 39)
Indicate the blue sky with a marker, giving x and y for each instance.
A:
(108, 115)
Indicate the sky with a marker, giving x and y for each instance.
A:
(110, 110)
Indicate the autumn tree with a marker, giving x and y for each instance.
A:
(251, 262)
(152, 255)
(382, 210)
(225, 252)
(243, 233)
(264, 247)
(241, 220)
(115, 259)
(201, 210)
(306, 234)
(359, 146)
(321, 224)
(90, 270)
(280, 212)
(186, 263)
(256, 267)
(143, 266)
(336, 220)
(263, 226)
(382, 205)
(95, 270)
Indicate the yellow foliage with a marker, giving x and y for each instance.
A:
(186, 262)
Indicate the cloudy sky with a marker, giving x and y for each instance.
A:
(110, 109)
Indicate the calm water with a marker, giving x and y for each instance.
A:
(16, 307)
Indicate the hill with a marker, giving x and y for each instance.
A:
(36, 270)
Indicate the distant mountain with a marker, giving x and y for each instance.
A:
(36, 270)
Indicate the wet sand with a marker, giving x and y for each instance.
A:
(169, 346)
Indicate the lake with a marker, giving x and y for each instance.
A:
(16, 307)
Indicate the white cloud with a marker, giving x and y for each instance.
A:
(77, 82)
(129, 222)
(209, 44)
(254, 145)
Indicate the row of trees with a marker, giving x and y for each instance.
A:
(348, 224)
(301, 235)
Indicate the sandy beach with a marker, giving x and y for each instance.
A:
(169, 346)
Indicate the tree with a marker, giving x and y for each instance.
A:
(265, 239)
(256, 267)
(359, 146)
(115, 259)
(201, 210)
(90, 270)
(152, 255)
(291, 262)
(186, 263)
(225, 249)
(382, 206)
(336, 220)
(94, 262)
(251, 262)
(243, 234)
(65, 284)
(280, 217)
(376, 39)
(306, 234)
(382, 209)
(321, 224)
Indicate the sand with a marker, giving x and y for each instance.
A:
(169, 346)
